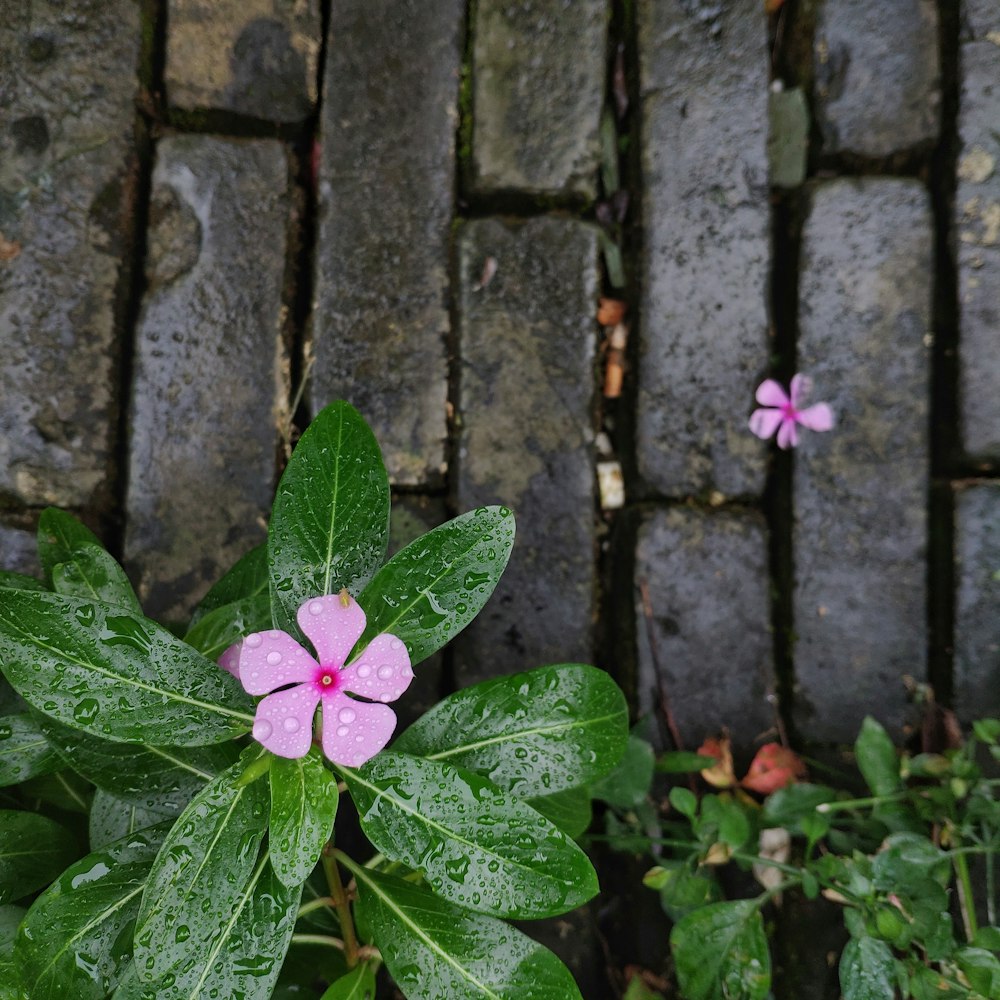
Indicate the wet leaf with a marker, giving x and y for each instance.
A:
(217, 630)
(132, 772)
(59, 534)
(359, 984)
(629, 783)
(205, 875)
(430, 590)
(532, 733)
(867, 970)
(721, 951)
(10, 919)
(303, 808)
(18, 581)
(248, 578)
(877, 759)
(24, 750)
(76, 940)
(92, 573)
(477, 845)
(569, 810)
(112, 818)
(64, 789)
(33, 851)
(435, 950)
(330, 521)
(115, 674)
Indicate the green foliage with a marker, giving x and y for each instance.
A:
(213, 868)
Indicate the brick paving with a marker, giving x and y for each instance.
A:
(197, 209)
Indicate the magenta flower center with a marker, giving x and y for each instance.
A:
(789, 412)
(327, 680)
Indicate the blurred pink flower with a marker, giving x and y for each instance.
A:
(353, 731)
(782, 413)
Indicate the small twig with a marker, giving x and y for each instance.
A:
(341, 904)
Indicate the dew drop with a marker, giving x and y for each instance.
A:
(364, 670)
(274, 658)
(253, 641)
(385, 672)
(262, 729)
(291, 724)
(385, 696)
(347, 715)
(316, 608)
(396, 644)
(342, 730)
(359, 739)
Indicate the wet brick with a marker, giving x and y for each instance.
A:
(877, 90)
(709, 596)
(525, 436)
(705, 273)
(210, 387)
(861, 490)
(68, 85)
(385, 187)
(537, 93)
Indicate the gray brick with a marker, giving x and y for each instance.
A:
(413, 516)
(980, 19)
(210, 369)
(861, 490)
(537, 92)
(877, 90)
(709, 596)
(977, 624)
(525, 436)
(978, 223)
(252, 57)
(705, 272)
(386, 179)
(18, 550)
(67, 169)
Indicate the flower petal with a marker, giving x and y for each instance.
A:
(332, 627)
(770, 393)
(284, 720)
(800, 387)
(382, 672)
(230, 659)
(788, 435)
(271, 660)
(354, 731)
(817, 418)
(764, 423)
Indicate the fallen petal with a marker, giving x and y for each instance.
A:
(283, 723)
(788, 435)
(800, 387)
(770, 393)
(230, 659)
(354, 731)
(271, 660)
(382, 672)
(764, 423)
(333, 624)
(817, 418)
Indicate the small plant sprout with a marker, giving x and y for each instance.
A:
(784, 413)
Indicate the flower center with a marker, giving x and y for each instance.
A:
(327, 679)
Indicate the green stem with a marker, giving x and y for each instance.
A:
(874, 800)
(341, 905)
(323, 939)
(756, 859)
(315, 904)
(374, 861)
(966, 899)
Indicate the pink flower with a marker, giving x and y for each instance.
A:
(782, 413)
(352, 731)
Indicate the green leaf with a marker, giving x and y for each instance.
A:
(217, 630)
(199, 880)
(131, 772)
(877, 759)
(92, 573)
(987, 937)
(24, 750)
(790, 805)
(428, 592)
(684, 801)
(478, 846)
(981, 968)
(906, 861)
(629, 783)
(330, 522)
(248, 578)
(867, 970)
(569, 810)
(33, 851)
(76, 940)
(683, 890)
(10, 919)
(683, 762)
(114, 674)
(18, 581)
(64, 789)
(303, 808)
(59, 534)
(436, 950)
(720, 951)
(532, 733)
(359, 984)
(112, 818)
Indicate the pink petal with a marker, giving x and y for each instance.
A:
(769, 393)
(382, 672)
(283, 722)
(332, 628)
(230, 659)
(816, 418)
(788, 435)
(271, 660)
(354, 731)
(801, 387)
(764, 423)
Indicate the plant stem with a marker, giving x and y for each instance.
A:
(315, 904)
(341, 904)
(966, 899)
(323, 939)
(874, 800)
(374, 861)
